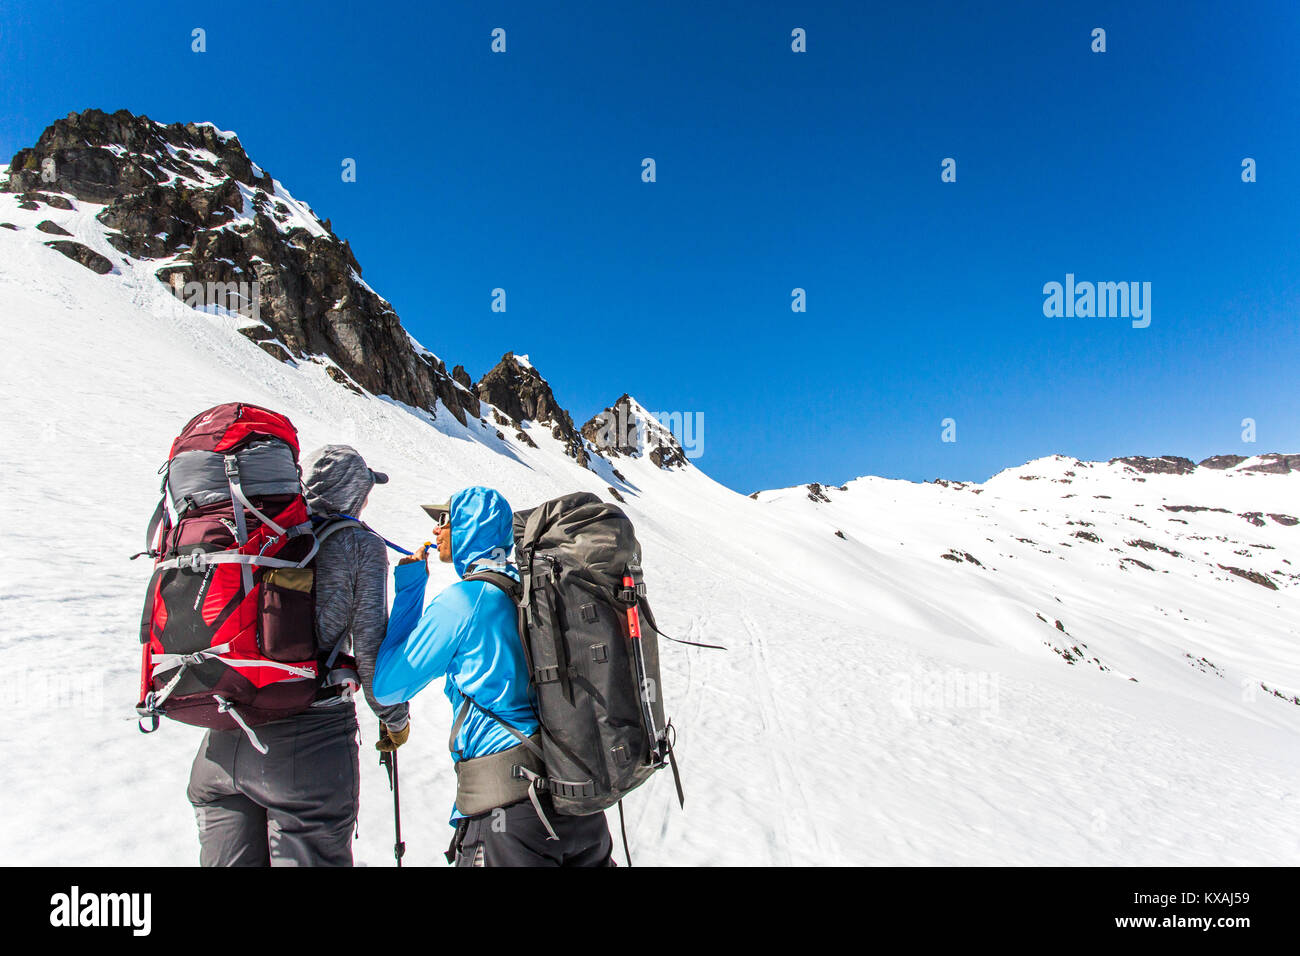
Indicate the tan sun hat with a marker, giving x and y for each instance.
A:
(438, 513)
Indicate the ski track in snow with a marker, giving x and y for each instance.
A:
(815, 738)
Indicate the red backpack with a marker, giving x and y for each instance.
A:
(229, 618)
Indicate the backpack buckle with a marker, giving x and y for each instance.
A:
(535, 780)
(196, 561)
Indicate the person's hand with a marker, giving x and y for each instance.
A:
(390, 740)
(419, 556)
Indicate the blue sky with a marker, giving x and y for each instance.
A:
(777, 170)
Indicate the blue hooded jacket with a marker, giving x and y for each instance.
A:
(468, 632)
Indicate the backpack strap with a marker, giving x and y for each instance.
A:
(327, 518)
(649, 616)
(154, 523)
(459, 722)
(536, 781)
(333, 523)
(200, 560)
(323, 530)
(515, 591)
(237, 493)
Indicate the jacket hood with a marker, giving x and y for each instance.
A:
(481, 532)
(337, 479)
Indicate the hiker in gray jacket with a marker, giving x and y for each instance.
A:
(296, 805)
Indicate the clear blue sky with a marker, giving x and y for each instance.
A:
(777, 170)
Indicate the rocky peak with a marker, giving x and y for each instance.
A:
(1164, 465)
(1222, 462)
(519, 392)
(1274, 463)
(189, 197)
(99, 157)
(626, 428)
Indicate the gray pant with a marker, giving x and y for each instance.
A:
(294, 806)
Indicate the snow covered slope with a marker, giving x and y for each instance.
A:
(879, 702)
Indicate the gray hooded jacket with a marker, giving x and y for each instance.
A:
(351, 569)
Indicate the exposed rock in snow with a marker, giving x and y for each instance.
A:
(1165, 465)
(519, 391)
(78, 253)
(627, 429)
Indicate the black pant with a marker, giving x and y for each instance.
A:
(514, 836)
(295, 805)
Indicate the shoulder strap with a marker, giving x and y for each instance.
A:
(333, 523)
(327, 524)
(513, 590)
(505, 582)
(322, 531)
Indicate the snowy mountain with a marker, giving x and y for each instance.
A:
(1073, 662)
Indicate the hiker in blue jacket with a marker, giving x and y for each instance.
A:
(469, 632)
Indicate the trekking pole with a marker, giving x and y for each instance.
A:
(388, 760)
(638, 657)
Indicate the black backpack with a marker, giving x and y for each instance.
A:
(592, 651)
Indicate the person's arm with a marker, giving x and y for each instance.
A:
(370, 622)
(418, 647)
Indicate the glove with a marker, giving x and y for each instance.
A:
(391, 739)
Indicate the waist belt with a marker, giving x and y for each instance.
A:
(499, 779)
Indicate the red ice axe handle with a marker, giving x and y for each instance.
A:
(633, 616)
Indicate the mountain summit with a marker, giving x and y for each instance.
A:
(627, 429)
(188, 198)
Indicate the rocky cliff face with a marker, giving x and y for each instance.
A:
(189, 196)
(521, 394)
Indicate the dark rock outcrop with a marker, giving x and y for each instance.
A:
(520, 392)
(1222, 462)
(1255, 577)
(1164, 465)
(1275, 464)
(816, 493)
(626, 429)
(89, 258)
(190, 191)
